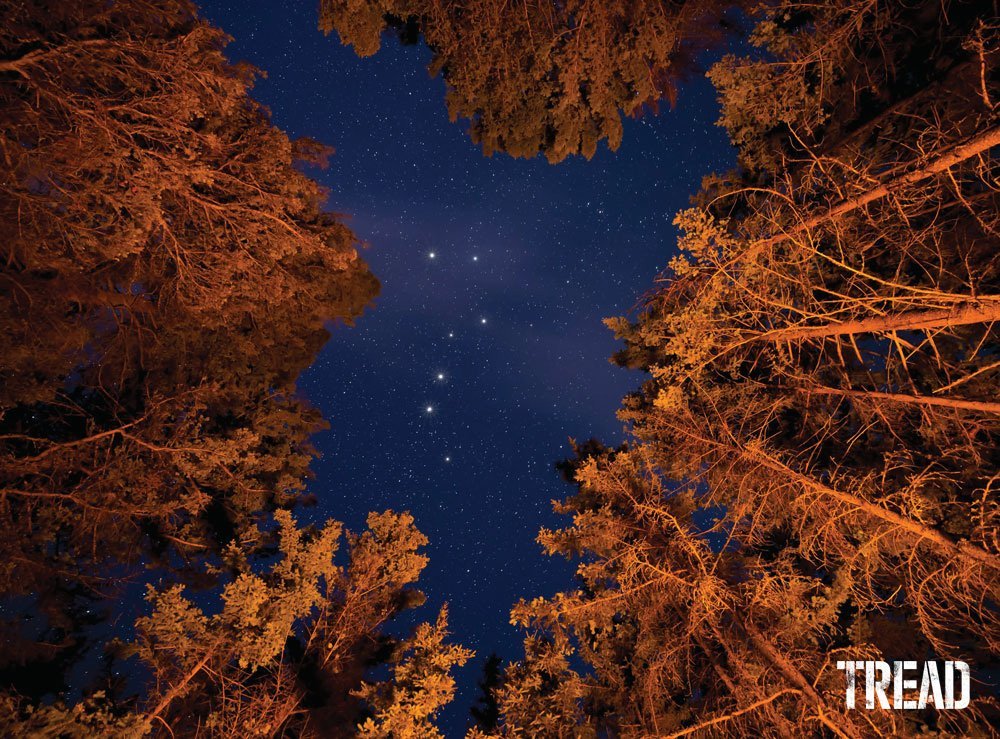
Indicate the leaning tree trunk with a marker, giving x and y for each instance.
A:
(955, 155)
(926, 400)
(979, 310)
(961, 550)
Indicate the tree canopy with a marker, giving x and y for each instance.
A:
(168, 270)
(812, 461)
(543, 77)
(812, 466)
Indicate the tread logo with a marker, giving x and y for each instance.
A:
(900, 679)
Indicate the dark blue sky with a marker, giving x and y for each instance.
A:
(454, 397)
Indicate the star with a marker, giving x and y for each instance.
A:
(440, 375)
(447, 459)
(475, 259)
(432, 255)
(429, 409)
(482, 320)
(451, 335)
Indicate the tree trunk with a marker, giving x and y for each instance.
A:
(795, 676)
(978, 310)
(956, 154)
(182, 684)
(735, 714)
(38, 55)
(970, 405)
(962, 550)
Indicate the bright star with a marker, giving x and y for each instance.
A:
(482, 320)
(447, 459)
(432, 255)
(440, 375)
(475, 259)
(429, 409)
(451, 335)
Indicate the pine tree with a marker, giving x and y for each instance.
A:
(405, 707)
(539, 76)
(259, 666)
(168, 272)
(486, 711)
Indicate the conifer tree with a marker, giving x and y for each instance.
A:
(537, 76)
(486, 712)
(168, 273)
(284, 634)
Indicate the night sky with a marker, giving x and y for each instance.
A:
(456, 394)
